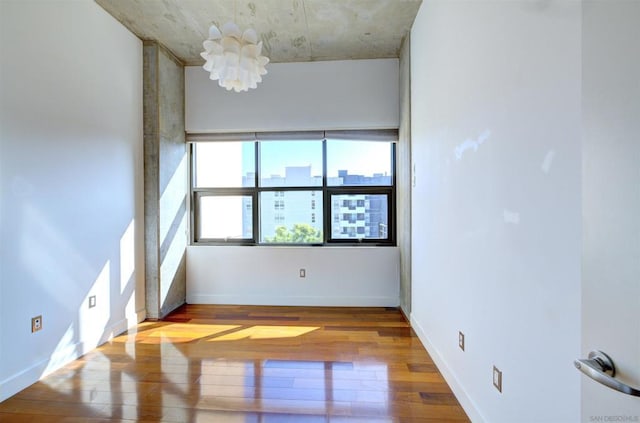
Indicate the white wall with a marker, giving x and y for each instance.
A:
(611, 202)
(355, 94)
(335, 276)
(352, 94)
(71, 184)
(496, 203)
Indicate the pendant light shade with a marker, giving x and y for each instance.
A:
(234, 58)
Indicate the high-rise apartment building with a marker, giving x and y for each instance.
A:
(352, 216)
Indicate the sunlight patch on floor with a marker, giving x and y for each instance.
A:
(266, 332)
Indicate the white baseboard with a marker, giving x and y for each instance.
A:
(141, 315)
(465, 401)
(26, 377)
(283, 300)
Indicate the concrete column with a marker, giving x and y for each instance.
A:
(404, 173)
(166, 183)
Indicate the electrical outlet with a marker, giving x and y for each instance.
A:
(36, 323)
(303, 273)
(92, 301)
(461, 340)
(497, 378)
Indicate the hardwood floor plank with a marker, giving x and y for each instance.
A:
(249, 364)
(438, 398)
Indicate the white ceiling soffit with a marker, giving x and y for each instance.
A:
(291, 30)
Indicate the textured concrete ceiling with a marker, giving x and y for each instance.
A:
(291, 30)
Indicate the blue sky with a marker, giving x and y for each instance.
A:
(357, 157)
(221, 161)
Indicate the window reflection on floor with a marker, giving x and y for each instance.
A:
(312, 387)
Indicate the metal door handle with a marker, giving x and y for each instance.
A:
(600, 367)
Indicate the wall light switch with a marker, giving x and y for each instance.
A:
(461, 340)
(497, 378)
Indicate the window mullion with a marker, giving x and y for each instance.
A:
(257, 230)
(192, 211)
(326, 212)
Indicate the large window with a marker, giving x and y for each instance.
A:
(302, 192)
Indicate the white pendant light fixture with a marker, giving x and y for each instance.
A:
(234, 57)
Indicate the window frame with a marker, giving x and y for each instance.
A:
(196, 193)
(258, 235)
(220, 192)
(389, 191)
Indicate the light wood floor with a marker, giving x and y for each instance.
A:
(249, 364)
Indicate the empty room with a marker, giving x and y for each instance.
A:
(319, 211)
